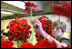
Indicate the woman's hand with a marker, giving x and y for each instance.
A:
(38, 27)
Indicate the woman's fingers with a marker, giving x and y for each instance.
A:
(32, 21)
(36, 20)
(36, 25)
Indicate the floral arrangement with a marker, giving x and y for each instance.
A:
(39, 44)
(18, 29)
(46, 24)
(64, 8)
(30, 6)
(6, 44)
(42, 44)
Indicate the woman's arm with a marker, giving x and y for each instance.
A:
(43, 33)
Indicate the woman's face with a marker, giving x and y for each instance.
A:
(57, 31)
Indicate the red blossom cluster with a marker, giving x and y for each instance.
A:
(18, 29)
(6, 44)
(64, 8)
(27, 45)
(42, 44)
(28, 6)
(46, 24)
(39, 44)
(46, 44)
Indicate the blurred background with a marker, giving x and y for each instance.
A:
(13, 9)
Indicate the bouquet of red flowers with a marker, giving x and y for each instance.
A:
(46, 24)
(64, 8)
(18, 29)
(42, 44)
(6, 44)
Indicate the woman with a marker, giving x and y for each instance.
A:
(58, 30)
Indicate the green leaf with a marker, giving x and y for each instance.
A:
(16, 40)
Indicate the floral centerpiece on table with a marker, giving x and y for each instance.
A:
(19, 30)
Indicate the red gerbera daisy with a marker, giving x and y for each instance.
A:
(29, 6)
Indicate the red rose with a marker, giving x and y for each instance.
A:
(16, 24)
(20, 31)
(7, 27)
(21, 27)
(13, 28)
(16, 34)
(25, 23)
(22, 21)
(24, 31)
(37, 35)
(8, 32)
(43, 21)
(12, 22)
(30, 32)
(45, 26)
(29, 26)
(38, 39)
(11, 39)
(17, 19)
(22, 37)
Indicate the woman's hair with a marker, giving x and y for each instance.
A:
(59, 24)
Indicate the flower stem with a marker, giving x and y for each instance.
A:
(18, 44)
(32, 29)
(31, 15)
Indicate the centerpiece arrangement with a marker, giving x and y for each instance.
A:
(19, 30)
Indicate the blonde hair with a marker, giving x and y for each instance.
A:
(62, 25)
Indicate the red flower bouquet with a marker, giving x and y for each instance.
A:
(46, 24)
(46, 44)
(64, 8)
(42, 44)
(6, 44)
(18, 29)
